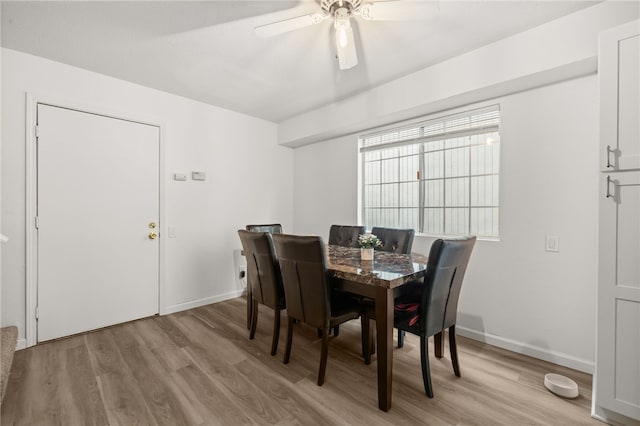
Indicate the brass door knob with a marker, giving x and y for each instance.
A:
(152, 225)
(153, 235)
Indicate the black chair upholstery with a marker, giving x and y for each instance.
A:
(265, 279)
(273, 228)
(429, 308)
(395, 240)
(345, 235)
(309, 299)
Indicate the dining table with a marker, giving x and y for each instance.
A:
(377, 280)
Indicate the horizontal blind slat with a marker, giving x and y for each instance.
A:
(479, 118)
(425, 139)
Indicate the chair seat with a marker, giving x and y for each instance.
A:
(339, 317)
(406, 314)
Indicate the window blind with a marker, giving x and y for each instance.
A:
(439, 176)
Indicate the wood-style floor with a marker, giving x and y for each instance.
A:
(199, 367)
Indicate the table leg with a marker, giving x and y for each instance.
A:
(384, 327)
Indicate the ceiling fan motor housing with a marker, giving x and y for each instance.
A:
(330, 6)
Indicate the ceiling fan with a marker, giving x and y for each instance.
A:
(341, 11)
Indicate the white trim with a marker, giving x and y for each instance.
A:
(201, 302)
(31, 254)
(611, 418)
(162, 289)
(526, 349)
(31, 277)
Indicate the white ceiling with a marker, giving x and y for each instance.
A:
(208, 50)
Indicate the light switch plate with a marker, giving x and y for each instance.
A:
(198, 175)
(180, 176)
(171, 231)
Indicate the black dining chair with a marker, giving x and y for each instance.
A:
(309, 297)
(265, 279)
(272, 228)
(394, 240)
(345, 235)
(430, 307)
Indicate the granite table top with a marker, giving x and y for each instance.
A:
(388, 270)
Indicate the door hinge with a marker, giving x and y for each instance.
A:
(36, 222)
(37, 131)
(37, 312)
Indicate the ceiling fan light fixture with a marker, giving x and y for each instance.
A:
(342, 26)
(345, 44)
(342, 10)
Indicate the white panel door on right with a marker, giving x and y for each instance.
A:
(98, 211)
(619, 78)
(618, 352)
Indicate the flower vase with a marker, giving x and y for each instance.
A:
(366, 253)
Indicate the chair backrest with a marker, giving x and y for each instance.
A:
(263, 269)
(272, 228)
(304, 276)
(345, 235)
(395, 240)
(446, 266)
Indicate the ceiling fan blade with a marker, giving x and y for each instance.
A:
(291, 24)
(346, 47)
(399, 10)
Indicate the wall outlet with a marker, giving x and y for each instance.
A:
(552, 243)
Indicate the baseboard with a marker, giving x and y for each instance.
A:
(523, 348)
(201, 302)
(611, 418)
(22, 343)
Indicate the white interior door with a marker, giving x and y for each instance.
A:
(618, 353)
(97, 201)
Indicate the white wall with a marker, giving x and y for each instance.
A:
(515, 295)
(249, 177)
(325, 186)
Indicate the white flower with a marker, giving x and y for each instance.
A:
(369, 240)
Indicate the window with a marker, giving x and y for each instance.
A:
(440, 176)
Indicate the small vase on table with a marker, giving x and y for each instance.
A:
(366, 253)
(367, 243)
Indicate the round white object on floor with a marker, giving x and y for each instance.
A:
(561, 385)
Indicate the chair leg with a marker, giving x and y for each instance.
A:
(336, 330)
(276, 331)
(320, 333)
(438, 339)
(400, 338)
(249, 307)
(453, 348)
(424, 359)
(254, 319)
(366, 339)
(287, 352)
(372, 337)
(323, 356)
